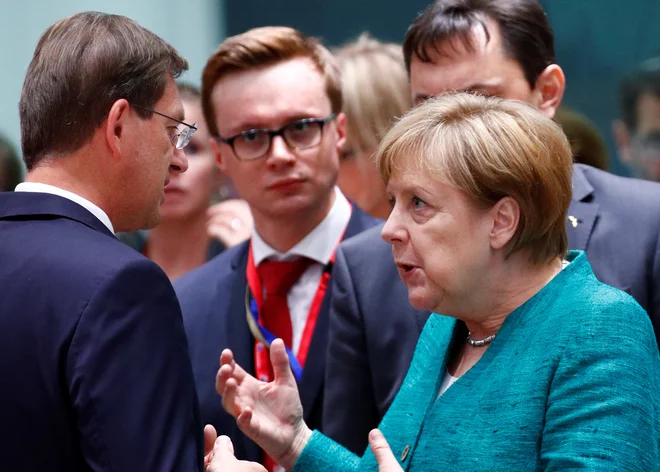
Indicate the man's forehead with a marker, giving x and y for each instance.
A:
(270, 97)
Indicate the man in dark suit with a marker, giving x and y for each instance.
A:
(272, 101)
(95, 367)
(494, 47)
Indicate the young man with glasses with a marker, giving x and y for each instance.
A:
(272, 101)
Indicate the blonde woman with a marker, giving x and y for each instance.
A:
(375, 88)
(534, 364)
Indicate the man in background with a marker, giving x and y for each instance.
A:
(272, 102)
(637, 132)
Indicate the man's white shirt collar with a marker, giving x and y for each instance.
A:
(319, 244)
(83, 202)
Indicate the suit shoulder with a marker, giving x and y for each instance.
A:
(205, 278)
(590, 308)
(606, 184)
(368, 240)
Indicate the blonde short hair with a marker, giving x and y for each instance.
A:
(491, 148)
(262, 47)
(375, 89)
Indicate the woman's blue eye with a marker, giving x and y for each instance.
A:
(418, 202)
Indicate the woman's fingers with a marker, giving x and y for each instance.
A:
(281, 369)
(384, 456)
(247, 424)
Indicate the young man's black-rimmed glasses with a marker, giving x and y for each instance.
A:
(298, 135)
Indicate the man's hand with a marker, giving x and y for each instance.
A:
(268, 413)
(381, 449)
(230, 222)
(210, 435)
(223, 460)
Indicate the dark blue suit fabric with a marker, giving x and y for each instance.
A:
(94, 360)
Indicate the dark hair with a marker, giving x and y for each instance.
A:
(644, 79)
(526, 33)
(81, 66)
(10, 166)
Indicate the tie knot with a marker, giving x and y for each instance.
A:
(277, 277)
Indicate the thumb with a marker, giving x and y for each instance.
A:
(384, 456)
(209, 438)
(222, 449)
(281, 368)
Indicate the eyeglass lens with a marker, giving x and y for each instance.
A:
(299, 135)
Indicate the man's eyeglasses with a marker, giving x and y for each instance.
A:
(298, 135)
(183, 137)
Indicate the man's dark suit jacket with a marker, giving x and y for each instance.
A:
(212, 300)
(94, 360)
(374, 329)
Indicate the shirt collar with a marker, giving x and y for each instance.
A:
(83, 202)
(319, 244)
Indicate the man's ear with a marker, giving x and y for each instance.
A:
(622, 139)
(549, 90)
(219, 158)
(506, 218)
(116, 126)
(340, 122)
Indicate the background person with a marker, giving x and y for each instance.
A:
(637, 132)
(272, 101)
(375, 91)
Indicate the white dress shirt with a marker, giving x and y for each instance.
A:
(318, 245)
(83, 202)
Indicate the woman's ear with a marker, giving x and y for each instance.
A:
(506, 218)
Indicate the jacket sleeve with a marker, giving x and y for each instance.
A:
(324, 455)
(349, 409)
(129, 377)
(602, 408)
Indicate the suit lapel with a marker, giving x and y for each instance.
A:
(582, 213)
(403, 422)
(314, 371)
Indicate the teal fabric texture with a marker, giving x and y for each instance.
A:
(572, 381)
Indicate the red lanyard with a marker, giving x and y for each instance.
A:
(254, 285)
(262, 361)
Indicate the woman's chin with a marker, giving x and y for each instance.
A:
(420, 302)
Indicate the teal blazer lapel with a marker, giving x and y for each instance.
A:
(403, 422)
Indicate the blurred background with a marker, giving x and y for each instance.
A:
(597, 41)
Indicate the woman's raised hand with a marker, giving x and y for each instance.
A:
(269, 413)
